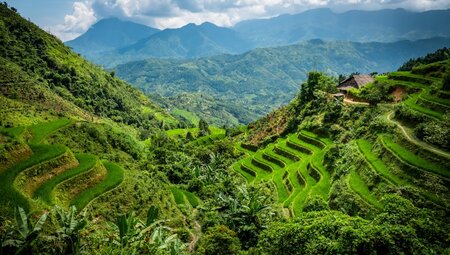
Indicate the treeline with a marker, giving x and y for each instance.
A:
(439, 55)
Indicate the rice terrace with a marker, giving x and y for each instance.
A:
(205, 127)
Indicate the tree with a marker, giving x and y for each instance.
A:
(220, 240)
(149, 237)
(203, 128)
(446, 80)
(189, 136)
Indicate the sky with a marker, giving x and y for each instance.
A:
(68, 19)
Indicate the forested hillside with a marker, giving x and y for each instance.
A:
(40, 70)
(252, 84)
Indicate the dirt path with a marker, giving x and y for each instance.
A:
(415, 141)
(193, 242)
(348, 101)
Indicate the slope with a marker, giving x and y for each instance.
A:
(38, 70)
(263, 79)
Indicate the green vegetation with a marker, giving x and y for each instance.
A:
(412, 159)
(238, 89)
(44, 192)
(10, 196)
(182, 196)
(189, 116)
(40, 71)
(360, 187)
(319, 175)
(412, 103)
(113, 179)
(178, 195)
(279, 163)
(42, 130)
(431, 58)
(366, 149)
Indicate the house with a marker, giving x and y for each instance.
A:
(355, 81)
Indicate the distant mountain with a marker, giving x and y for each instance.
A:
(358, 26)
(109, 34)
(190, 41)
(111, 42)
(263, 79)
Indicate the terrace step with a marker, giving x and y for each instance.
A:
(183, 197)
(67, 190)
(112, 180)
(357, 184)
(365, 148)
(30, 180)
(45, 191)
(41, 155)
(413, 161)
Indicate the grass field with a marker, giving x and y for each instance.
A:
(191, 117)
(178, 195)
(113, 179)
(411, 102)
(191, 198)
(44, 192)
(359, 186)
(12, 132)
(42, 130)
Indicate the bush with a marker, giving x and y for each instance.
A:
(220, 240)
(434, 132)
(315, 203)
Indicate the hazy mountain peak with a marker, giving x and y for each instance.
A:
(109, 34)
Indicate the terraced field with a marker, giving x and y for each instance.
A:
(183, 197)
(293, 164)
(410, 168)
(423, 102)
(33, 182)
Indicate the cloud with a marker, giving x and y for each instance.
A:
(81, 18)
(176, 13)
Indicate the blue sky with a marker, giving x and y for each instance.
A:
(68, 19)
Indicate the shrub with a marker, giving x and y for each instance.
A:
(220, 240)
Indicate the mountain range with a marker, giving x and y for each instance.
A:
(359, 26)
(249, 85)
(111, 41)
(110, 34)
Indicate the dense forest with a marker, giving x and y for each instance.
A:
(90, 165)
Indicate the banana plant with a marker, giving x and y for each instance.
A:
(70, 227)
(131, 229)
(25, 234)
(151, 235)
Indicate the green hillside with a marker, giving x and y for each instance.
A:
(38, 70)
(230, 89)
(89, 165)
